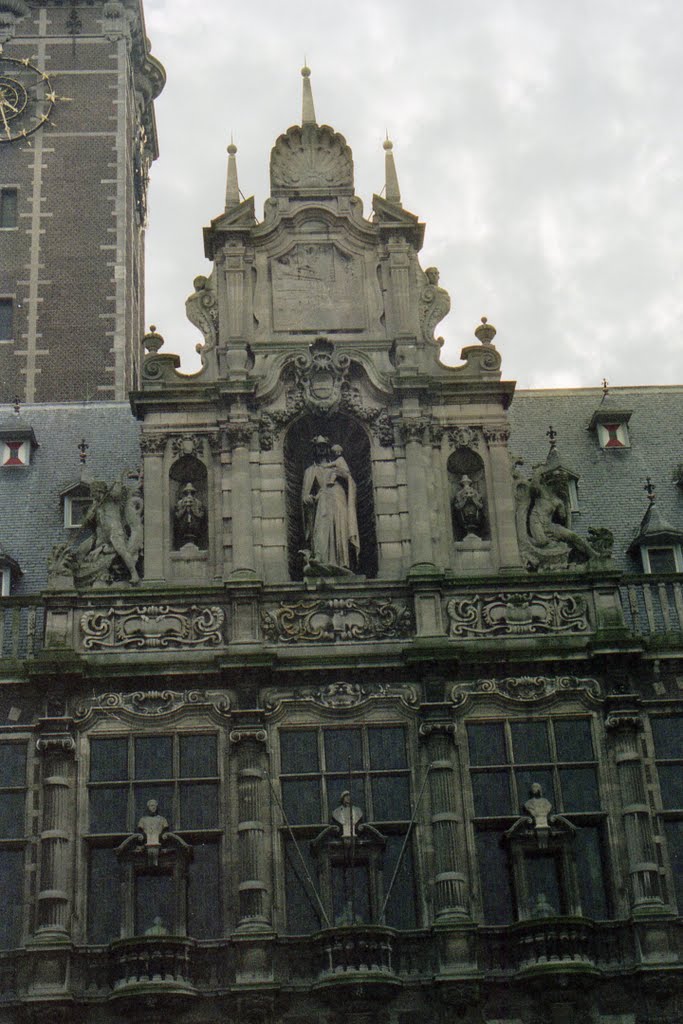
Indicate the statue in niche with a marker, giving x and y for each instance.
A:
(189, 516)
(347, 816)
(152, 827)
(328, 498)
(201, 309)
(435, 304)
(116, 518)
(468, 508)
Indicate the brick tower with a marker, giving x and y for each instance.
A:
(77, 136)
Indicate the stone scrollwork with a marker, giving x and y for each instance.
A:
(340, 696)
(153, 703)
(435, 304)
(187, 444)
(201, 308)
(517, 614)
(525, 688)
(153, 627)
(334, 620)
(320, 376)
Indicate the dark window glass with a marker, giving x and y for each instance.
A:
(487, 743)
(579, 790)
(390, 798)
(673, 830)
(301, 801)
(6, 319)
(109, 809)
(525, 777)
(543, 885)
(108, 760)
(400, 908)
(530, 742)
(590, 869)
(494, 871)
(154, 757)
(198, 757)
(154, 908)
(204, 912)
(104, 886)
(8, 208)
(343, 750)
(573, 739)
(491, 791)
(163, 794)
(299, 751)
(662, 559)
(387, 748)
(350, 893)
(12, 815)
(12, 764)
(12, 875)
(671, 785)
(668, 736)
(301, 874)
(198, 805)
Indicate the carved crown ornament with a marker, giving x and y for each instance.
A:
(153, 704)
(339, 696)
(526, 689)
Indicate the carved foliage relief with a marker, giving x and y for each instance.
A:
(336, 619)
(153, 627)
(517, 614)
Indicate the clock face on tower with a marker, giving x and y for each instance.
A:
(26, 98)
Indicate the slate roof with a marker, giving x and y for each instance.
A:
(610, 482)
(31, 509)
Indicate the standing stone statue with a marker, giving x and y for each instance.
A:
(152, 826)
(328, 497)
(116, 515)
(468, 508)
(189, 516)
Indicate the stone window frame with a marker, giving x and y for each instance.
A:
(15, 844)
(195, 837)
(676, 549)
(306, 832)
(499, 823)
(78, 496)
(7, 323)
(9, 206)
(670, 818)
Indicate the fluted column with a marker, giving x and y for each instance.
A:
(238, 440)
(155, 528)
(451, 896)
(252, 804)
(502, 503)
(413, 437)
(56, 827)
(645, 889)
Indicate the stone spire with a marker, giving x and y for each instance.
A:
(307, 108)
(232, 189)
(392, 193)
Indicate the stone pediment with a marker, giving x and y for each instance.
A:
(311, 160)
(239, 218)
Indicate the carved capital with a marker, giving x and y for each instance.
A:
(56, 738)
(436, 432)
(442, 729)
(238, 435)
(623, 721)
(253, 734)
(153, 444)
(413, 430)
(496, 438)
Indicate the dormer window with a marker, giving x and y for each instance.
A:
(662, 559)
(77, 501)
(17, 440)
(10, 571)
(16, 453)
(658, 542)
(610, 422)
(613, 435)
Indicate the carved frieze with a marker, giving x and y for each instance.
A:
(340, 696)
(525, 688)
(153, 627)
(517, 614)
(153, 703)
(332, 620)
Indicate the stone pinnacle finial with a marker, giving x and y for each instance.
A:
(17, 404)
(82, 451)
(391, 190)
(232, 189)
(551, 434)
(307, 108)
(649, 489)
(485, 332)
(605, 386)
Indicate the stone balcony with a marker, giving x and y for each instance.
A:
(356, 959)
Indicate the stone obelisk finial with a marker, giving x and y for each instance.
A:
(232, 189)
(307, 108)
(391, 190)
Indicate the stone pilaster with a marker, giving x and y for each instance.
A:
(56, 745)
(451, 897)
(153, 447)
(413, 437)
(644, 890)
(502, 503)
(238, 440)
(249, 743)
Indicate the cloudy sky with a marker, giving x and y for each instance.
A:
(540, 143)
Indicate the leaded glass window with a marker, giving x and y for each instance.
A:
(667, 733)
(13, 827)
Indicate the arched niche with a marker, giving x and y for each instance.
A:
(467, 490)
(189, 504)
(346, 432)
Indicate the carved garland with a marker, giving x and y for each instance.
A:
(336, 620)
(518, 614)
(153, 627)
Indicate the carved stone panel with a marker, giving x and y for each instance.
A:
(517, 614)
(152, 627)
(525, 688)
(317, 287)
(332, 620)
(153, 703)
